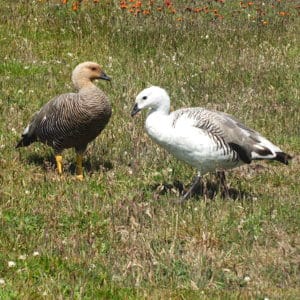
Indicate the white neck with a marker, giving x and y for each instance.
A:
(163, 109)
(158, 124)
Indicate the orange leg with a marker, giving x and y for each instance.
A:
(58, 159)
(79, 170)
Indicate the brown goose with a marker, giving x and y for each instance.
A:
(72, 120)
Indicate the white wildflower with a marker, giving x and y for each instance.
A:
(2, 281)
(11, 264)
(22, 257)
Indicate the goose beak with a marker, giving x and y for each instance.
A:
(135, 109)
(104, 76)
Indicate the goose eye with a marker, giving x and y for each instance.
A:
(93, 68)
(144, 98)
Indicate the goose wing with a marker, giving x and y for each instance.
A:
(229, 132)
(53, 120)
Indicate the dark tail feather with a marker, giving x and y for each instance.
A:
(283, 157)
(25, 141)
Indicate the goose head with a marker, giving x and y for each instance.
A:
(86, 72)
(153, 98)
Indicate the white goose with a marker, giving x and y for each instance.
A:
(207, 140)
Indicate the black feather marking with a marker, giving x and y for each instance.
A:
(283, 157)
(26, 141)
(263, 152)
(244, 155)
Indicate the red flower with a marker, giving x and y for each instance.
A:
(168, 3)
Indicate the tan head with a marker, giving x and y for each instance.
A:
(85, 73)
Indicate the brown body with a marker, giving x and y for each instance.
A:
(72, 120)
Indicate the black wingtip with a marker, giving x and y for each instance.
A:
(283, 157)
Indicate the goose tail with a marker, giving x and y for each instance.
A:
(283, 157)
(261, 152)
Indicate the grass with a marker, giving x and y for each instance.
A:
(118, 234)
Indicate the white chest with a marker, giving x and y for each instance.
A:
(189, 144)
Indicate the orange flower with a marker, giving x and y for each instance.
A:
(137, 4)
(243, 5)
(64, 1)
(146, 12)
(250, 3)
(264, 22)
(123, 5)
(283, 13)
(75, 6)
(96, 1)
(197, 9)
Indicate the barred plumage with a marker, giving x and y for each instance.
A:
(208, 140)
(72, 120)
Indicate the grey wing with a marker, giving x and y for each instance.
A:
(247, 142)
(227, 132)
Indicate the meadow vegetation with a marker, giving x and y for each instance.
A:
(118, 234)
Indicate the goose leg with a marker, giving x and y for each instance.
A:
(58, 159)
(191, 189)
(79, 170)
(223, 185)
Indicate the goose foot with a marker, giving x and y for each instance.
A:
(190, 191)
(222, 181)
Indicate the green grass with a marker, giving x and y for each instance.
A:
(118, 234)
